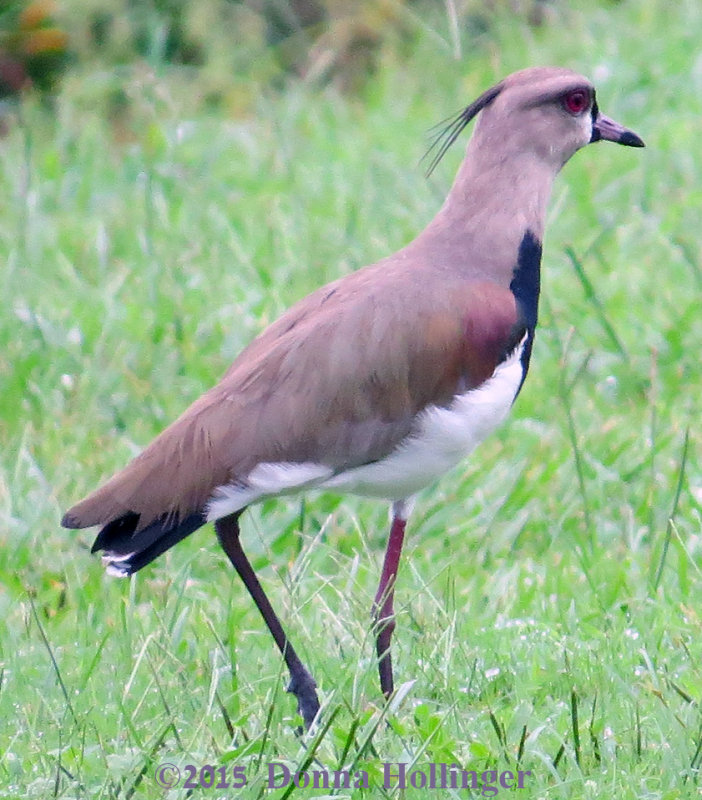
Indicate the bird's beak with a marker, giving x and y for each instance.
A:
(606, 128)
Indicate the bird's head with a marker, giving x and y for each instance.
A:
(543, 112)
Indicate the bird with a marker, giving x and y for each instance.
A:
(381, 381)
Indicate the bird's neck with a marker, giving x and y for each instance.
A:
(496, 200)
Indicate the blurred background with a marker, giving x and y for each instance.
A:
(261, 42)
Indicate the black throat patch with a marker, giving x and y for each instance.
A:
(596, 135)
(525, 286)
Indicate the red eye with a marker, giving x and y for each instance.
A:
(577, 101)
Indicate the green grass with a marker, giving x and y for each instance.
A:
(549, 616)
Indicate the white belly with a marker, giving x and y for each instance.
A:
(442, 438)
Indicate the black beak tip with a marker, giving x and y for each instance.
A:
(631, 139)
(604, 128)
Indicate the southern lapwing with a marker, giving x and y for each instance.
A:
(379, 382)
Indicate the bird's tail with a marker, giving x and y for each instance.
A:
(127, 548)
(160, 497)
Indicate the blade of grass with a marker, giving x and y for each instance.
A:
(54, 663)
(591, 295)
(674, 511)
(574, 724)
(314, 746)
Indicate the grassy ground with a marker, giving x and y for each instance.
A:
(549, 615)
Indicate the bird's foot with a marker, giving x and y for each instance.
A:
(303, 686)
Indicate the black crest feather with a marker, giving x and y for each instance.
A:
(451, 128)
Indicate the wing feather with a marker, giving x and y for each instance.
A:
(336, 381)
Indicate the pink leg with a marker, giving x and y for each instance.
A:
(383, 610)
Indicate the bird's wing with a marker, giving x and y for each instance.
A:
(337, 381)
